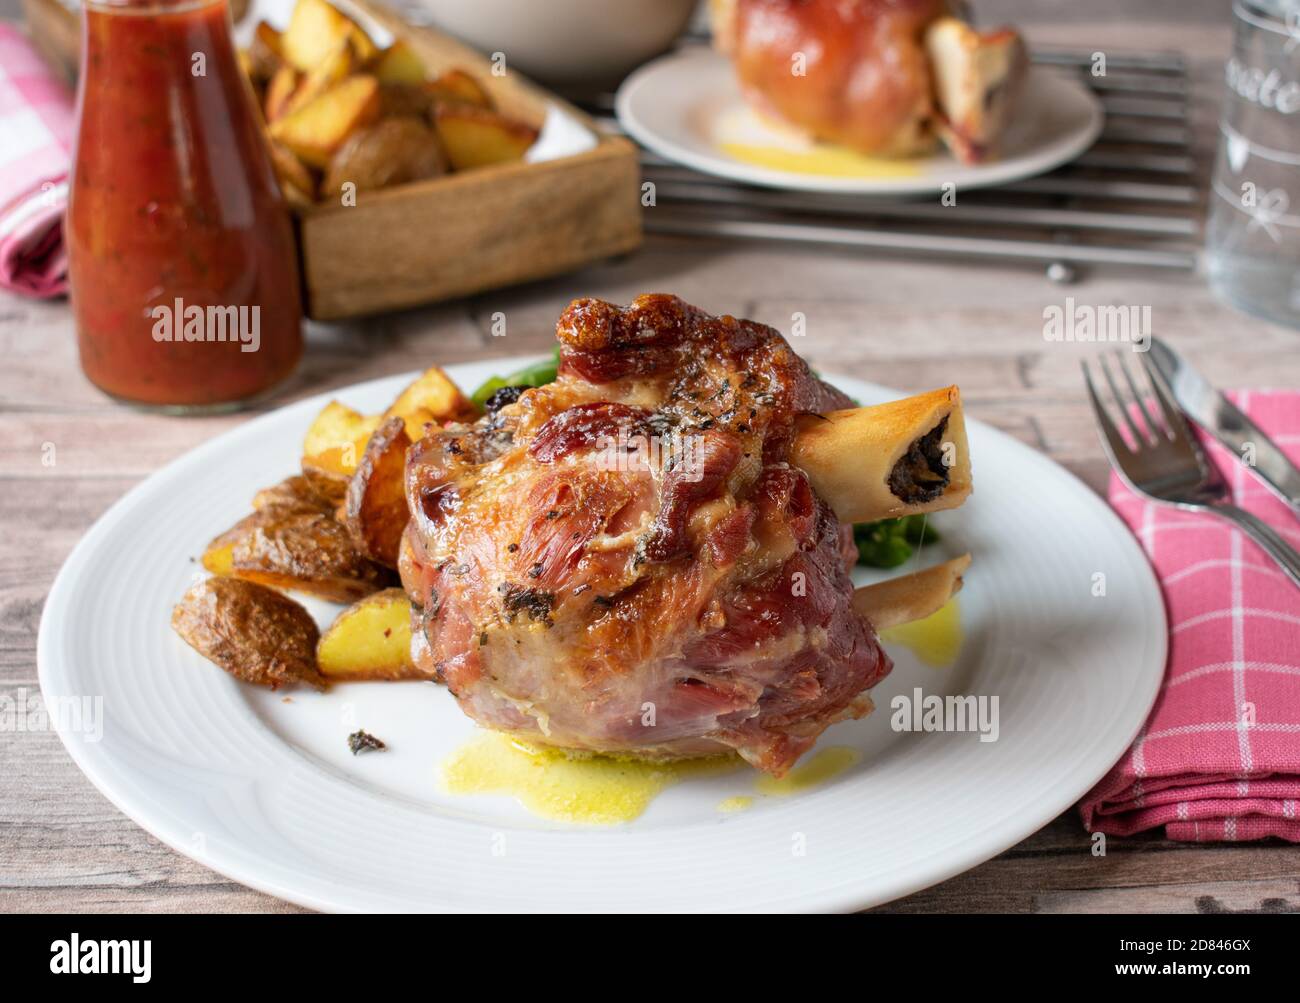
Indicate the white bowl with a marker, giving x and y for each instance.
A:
(566, 41)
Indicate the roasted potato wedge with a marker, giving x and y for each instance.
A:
(218, 555)
(279, 92)
(328, 73)
(305, 552)
(335, 441)
(433, 396)
(375, 513)
(296, 182)
(297, 549)
(265, 54)
(316, 130)
(315, 30)
(298, 491)
(370, 640)
(392, 151)
(479, 137)
(254, 633)
(406, 100)
(422, 98)
(458, 87)
(330, 487)
(363, 45)
(400, 64)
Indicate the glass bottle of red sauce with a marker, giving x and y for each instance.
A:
(181, 252)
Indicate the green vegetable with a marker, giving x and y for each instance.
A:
(481, 395)
(890, 542)
(537, 375)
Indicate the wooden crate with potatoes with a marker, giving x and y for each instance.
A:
(419, 170)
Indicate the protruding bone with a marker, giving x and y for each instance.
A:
(858, 458)
(910, 597)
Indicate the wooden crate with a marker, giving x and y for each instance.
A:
(451, 236)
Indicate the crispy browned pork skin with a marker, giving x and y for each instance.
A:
(623, 561)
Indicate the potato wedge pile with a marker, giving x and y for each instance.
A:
(342, 112)
(332, 531)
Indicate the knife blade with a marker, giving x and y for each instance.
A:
(1223, 420)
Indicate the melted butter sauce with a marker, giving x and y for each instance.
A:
(603, 790)
(821, 766)
(554, 784)
(828, 161)
(936, 640)
(751, 138)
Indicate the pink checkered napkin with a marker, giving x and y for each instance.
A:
(36, 128)
(1219, 757)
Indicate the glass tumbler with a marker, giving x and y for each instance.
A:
(1252, 238)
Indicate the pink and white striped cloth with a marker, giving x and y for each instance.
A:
(36, 130)
(1219, 757)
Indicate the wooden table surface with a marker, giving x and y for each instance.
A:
(908, 324)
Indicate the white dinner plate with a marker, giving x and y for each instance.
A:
(265, 791)
(687, 107)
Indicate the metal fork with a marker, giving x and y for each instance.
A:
(1166, 463)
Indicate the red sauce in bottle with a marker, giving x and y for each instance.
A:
(182, 260)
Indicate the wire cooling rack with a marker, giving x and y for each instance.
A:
(1132, 200)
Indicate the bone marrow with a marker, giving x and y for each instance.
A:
(920, 475)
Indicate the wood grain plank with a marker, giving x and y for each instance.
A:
(172, 896)
(40, 522)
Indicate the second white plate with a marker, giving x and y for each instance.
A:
(687, 107)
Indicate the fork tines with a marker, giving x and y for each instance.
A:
(1151, 446)
(1173, 426)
